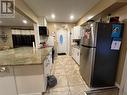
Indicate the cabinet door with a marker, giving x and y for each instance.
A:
(48, 64)
(30, 79)
(76, 33)
(78, 56)
(74, 54)
(50, 60)
(77, 30)
(72, 33)
(7, 81)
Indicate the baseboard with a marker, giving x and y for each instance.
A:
(75, 61)
(32, 94)
(61, 53)
(116, 84)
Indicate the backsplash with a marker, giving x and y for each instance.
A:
(5, 38)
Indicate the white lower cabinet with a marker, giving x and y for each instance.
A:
(72, 53)
(48, 64)
(76, 54)
(22, 80)
(30, 79)
(7, 81)
(25, 79)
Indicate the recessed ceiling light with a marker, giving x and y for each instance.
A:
(53, 16)
(24, 21)
(71, 17)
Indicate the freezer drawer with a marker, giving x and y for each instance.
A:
(87, 56)
(110, 91)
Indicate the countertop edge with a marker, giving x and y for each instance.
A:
(42, 61)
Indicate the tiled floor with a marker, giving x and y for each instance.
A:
(68, 77)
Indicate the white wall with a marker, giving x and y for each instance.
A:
(123, 86)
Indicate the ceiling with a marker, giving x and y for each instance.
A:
(16, 21)
(61, 8)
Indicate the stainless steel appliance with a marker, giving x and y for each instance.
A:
(99, 55)
(104, 91)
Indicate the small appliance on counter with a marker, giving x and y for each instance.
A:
(77, 42)
(43, 45)
(75, 50)
(43, 31)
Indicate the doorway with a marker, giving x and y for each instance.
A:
(62, 39)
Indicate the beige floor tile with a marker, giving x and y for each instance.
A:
(75, 83)
(61, 81)
(60, 89)
(77, 90)
(70, 68)
(48, 93)
(59, 72)
(74, 80)
(71, 72)
(59, 66)
(75, 75)
(60, 93)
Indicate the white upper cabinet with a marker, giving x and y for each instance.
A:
(17, 32)
(32, 32)
(22, 32)
(76, 54)
(76, 32)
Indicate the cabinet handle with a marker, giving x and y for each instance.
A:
(3, 69)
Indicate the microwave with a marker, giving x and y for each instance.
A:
(43, 31)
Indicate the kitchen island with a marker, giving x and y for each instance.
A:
(23, 71)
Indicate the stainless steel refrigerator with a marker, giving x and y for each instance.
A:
(100, 47)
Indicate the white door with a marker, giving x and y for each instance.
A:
(62, 41)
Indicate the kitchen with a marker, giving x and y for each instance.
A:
(39, 42)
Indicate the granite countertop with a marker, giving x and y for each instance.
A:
(75, 46)
(23, 56)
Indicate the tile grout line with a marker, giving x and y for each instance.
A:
(68, 85)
